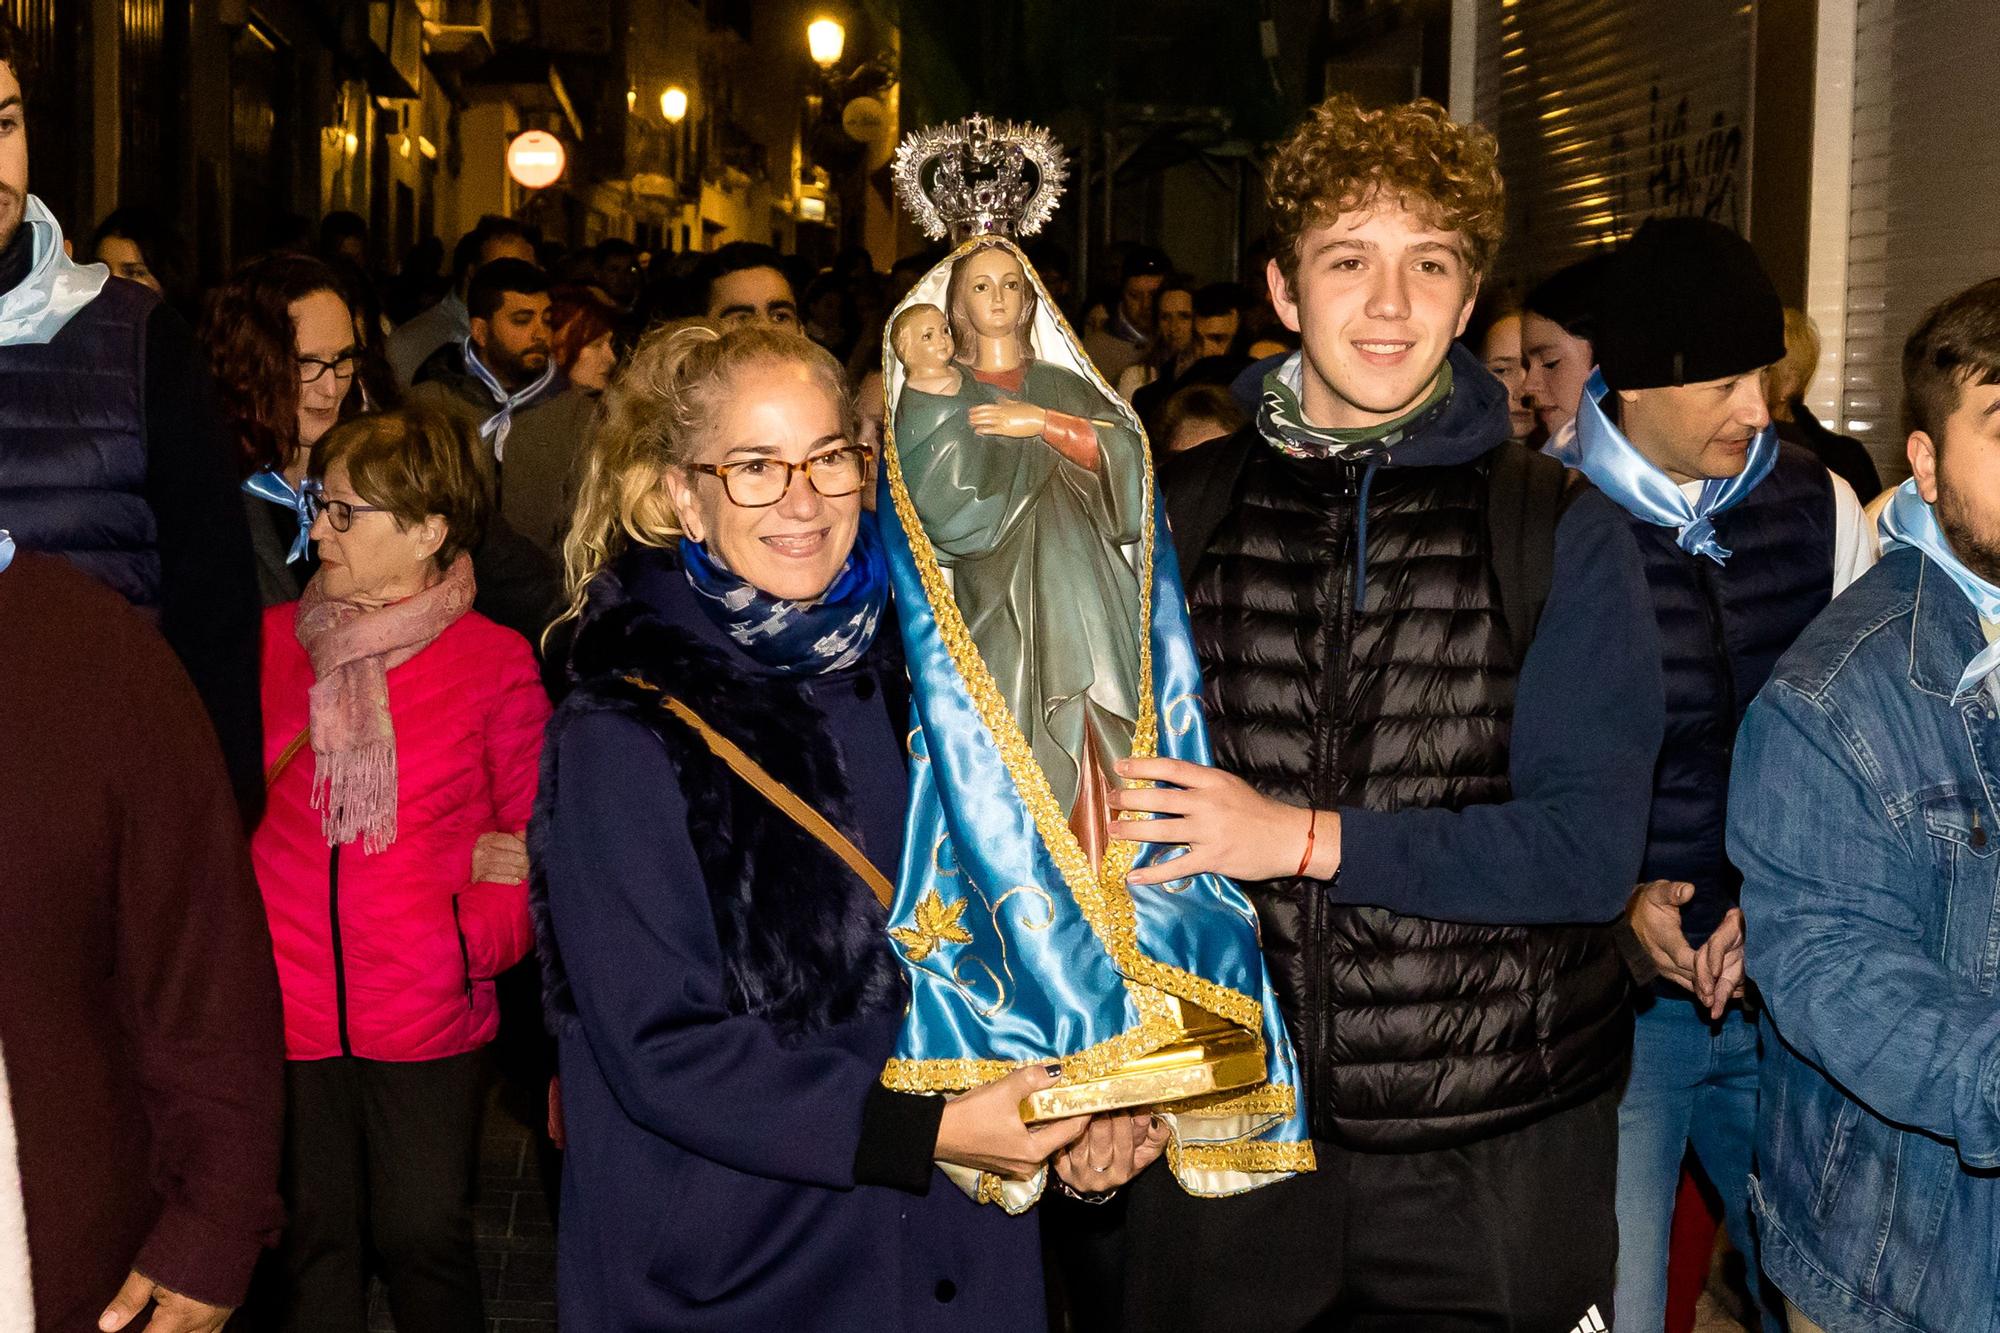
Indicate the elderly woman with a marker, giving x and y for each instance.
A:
(282, 343)
(402, 734)
(718, 970)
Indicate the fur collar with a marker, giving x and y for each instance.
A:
(803, 939)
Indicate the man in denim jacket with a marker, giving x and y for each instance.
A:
(1862, 814)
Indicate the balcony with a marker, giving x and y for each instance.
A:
(386, 38)
(458, 34)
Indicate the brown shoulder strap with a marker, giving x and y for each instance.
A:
(285, 757)
(778, 794)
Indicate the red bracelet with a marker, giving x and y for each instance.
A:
(1312, 828)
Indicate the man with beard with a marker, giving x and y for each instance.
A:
(1862, 812)
(111, 450)
(1745, 540)
(502, 381)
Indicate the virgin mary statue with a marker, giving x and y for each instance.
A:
(1047, 639)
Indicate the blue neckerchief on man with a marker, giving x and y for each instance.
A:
(56, 286)
(1600, 451)
(1909, 521)
(496, 427)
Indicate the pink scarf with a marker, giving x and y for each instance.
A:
(353, 649)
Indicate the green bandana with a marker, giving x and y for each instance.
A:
(1282, 420)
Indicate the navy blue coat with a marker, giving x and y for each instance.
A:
(725, 997)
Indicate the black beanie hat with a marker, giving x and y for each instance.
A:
(1568, 296)
(1684, 301)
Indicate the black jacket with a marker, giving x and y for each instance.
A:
(113, 455)
(1454, 981)
(1722, 630)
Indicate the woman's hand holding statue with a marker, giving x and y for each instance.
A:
(982, 1129)
(1009, 417)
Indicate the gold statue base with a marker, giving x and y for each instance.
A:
(1211, 1056)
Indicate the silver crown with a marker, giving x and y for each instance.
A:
(980, 178)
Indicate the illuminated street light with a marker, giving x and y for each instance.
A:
(674, 104)
(825, 38)
(631, 100)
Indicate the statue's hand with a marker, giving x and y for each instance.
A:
(1009, 417)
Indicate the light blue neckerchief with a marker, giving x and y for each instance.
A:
(1600, 451)
(56, 286)
(6, 548)
(270, 484)
(496, 427)
(1907, 521)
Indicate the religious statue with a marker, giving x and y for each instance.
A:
(1047, 638)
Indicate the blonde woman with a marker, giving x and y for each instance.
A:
(719, 976)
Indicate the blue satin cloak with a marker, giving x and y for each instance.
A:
(1016, 951)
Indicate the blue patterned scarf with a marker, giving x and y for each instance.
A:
(798, 638)
(1908, 521)
(1600, 451)
(6, 548)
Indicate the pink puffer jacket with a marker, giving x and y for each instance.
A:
(391, 957)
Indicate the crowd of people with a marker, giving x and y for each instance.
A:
(419, 679)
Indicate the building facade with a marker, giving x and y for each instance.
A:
(243, 122)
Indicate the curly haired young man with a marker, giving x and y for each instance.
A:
(1433, 681)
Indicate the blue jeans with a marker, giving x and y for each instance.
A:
(1692, 1082)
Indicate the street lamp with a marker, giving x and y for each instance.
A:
(674, 104)
(825, 38)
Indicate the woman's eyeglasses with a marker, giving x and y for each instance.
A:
(312, 369)
(339, 513)
(758, 483)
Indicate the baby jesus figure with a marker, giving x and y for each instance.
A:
(1031, 489)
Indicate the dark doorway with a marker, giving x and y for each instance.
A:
(258, 184)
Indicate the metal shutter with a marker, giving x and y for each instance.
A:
(1611, 113)
(1924, 194)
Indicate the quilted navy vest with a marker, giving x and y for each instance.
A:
(1722, 630)
(73, 443)
(1414, 1033)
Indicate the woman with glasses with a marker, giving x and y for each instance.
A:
(714, 948)
(281, 340)
(402, 731)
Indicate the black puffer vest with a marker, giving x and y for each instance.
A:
(1413, 1033)
(1722, 629)
(73, 468)
(803, 939)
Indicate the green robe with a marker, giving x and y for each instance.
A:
(1040, 552)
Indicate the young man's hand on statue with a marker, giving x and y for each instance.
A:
(1228, 827)
(1116, 1148)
